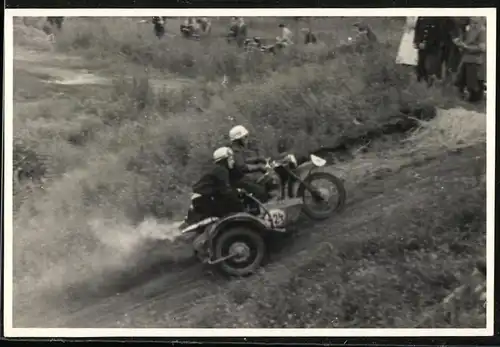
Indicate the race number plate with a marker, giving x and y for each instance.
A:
(276, 217)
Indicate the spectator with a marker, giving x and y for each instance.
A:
(455, 27)
(472, 69)
(52, 22)
(365, 33)
(57, 21)
(407, 54)
(309, 36)
(285, 39)
(190, 28)
(159, 24)
(237, 31)
(205, 25)
(241, 31)
(428, 40)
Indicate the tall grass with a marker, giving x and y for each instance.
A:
(212, 57)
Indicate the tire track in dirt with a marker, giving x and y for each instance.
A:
(173, 295)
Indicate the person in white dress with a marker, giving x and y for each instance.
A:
(407, 54)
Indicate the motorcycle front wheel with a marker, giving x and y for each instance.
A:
(322, 207)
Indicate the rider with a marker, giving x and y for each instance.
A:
(244, 164)
(213, 194)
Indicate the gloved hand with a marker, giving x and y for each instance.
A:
(263, 168)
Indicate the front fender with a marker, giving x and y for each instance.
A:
(302, 172)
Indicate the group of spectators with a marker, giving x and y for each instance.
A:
(238, 32)
(459, 45)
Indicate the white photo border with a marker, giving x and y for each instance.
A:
(10, 331)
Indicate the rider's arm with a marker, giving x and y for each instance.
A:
(255, 160)
(243, 166)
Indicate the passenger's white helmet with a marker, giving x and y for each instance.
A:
(237, 132)
(222, 153)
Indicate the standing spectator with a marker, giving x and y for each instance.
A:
(52, 22)
(237, 31)
(241, 32)
(309, 36)
(428, 40)
(286, 37)
(233, 29)
(407, 54)
(159, 24)
(188, 27)
(205, 25)
(57, 21)
(455, 27)
(365, 33)
(472, 69)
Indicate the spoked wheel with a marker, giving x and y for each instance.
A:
(247, 245)
(328, 195)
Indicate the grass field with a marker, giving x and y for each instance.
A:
(117, 125)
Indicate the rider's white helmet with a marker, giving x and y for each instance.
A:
(222, 153)
(238, 132)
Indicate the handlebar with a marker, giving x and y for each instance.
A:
(272, 164)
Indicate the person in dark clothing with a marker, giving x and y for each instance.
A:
(214, 196)
(244, 164)
(50, 24)
(365, 33)
(454, 27)
(159, 26)
(188, 28)
(309, 36)
(237, 31)
(428, 40)
(57, 21)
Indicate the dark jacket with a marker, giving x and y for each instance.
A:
(431, 32)
(244, 163)
(310, 38)
(57, 21)
(215, 182)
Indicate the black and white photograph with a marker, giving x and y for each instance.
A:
(212, 172)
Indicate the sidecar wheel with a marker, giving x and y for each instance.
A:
(322, 210)
(245, 241)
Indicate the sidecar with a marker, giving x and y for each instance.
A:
(237, 244)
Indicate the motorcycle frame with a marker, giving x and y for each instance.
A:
(290, 189)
